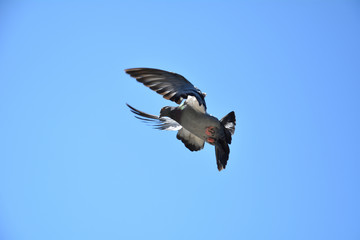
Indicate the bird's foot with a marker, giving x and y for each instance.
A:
(210, 131)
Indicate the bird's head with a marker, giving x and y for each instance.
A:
(166, 111)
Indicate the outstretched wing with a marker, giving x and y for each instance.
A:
(172, 86)
(161, 123)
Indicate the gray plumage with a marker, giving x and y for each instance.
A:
(194, 125)
(172, 86)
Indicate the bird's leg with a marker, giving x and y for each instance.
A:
(210, 131)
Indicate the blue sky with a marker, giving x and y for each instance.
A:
(76, 164)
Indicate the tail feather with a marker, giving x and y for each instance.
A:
(229, 122)
(222, 152)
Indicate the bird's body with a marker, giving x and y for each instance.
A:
(195, 126)
(198, 123)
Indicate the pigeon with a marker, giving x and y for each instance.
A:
(194, 125)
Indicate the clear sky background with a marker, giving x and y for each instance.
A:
(76, 164)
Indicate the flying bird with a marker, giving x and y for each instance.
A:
(194, 125)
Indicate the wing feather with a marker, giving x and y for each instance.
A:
(161, 123)
(171, 85)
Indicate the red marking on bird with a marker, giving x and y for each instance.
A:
(209, 131)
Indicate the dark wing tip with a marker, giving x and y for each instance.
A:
(129, 70)
(132, 69)
(142, 115)
(135, 71)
